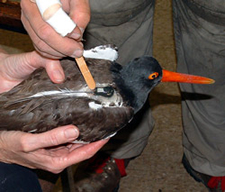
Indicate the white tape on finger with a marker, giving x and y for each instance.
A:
(54, 15)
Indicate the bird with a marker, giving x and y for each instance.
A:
(37, 104)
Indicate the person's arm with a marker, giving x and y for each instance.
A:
(46, 40)
(53, 150)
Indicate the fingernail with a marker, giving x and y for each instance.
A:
(75, 36)
(81, 29)
(59, 77)
(77, 53)
(71, 133)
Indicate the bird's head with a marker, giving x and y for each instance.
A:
(144, 73)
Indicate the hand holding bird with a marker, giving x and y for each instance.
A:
(53, 150)
(15, 68)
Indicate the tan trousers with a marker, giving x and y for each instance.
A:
(199, 27)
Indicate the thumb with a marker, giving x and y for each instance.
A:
(55, 70)
(52, 66)
(54, 137)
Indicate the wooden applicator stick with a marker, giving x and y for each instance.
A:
(85, 72)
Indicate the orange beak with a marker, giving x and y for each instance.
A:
(169, 76)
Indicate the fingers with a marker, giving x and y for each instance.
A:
(35, 150)
(35, 61)
(55, 71)
(57, 136)
(46, 40)
(79, 154)
(53, 67)
(15, 68)
(42, 47)
(84, 152)
(80, 13)
(60, 158)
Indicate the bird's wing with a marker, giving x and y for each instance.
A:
(39, 115)
(38, 105)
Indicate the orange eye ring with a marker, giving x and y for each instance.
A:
(153, 75)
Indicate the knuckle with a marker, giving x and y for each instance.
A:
(44, 32)
(54, 139)
(84, 16)
(24, 144)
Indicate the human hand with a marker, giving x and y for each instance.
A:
(46, 40)
(51, 151)
(16, 68)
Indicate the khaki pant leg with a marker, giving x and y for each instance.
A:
(200, 45)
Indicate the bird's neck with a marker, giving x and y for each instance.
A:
(132, 90)
(140, 97)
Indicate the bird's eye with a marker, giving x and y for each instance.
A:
(153, 75)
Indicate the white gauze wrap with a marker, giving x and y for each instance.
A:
(59, 19)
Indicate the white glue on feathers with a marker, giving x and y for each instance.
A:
(52, 12)
(107, 52)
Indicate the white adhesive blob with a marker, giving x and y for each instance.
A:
(102, 52)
